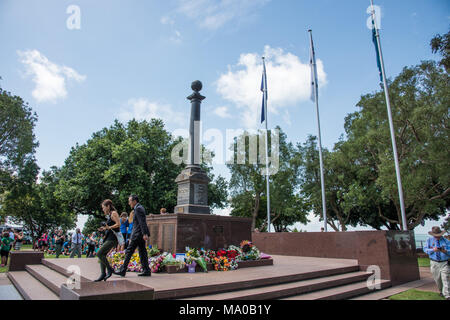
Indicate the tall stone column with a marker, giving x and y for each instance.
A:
(193, 181)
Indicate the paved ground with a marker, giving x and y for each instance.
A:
(7, 290)
(90, 270)
(283, 266)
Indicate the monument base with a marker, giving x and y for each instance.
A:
(174, 232)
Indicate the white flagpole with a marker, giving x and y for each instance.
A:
(316, 98)
(391, 125)
(267, 148)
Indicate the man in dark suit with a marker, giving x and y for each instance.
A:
(138, 239)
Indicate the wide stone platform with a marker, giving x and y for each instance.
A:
(289, 277)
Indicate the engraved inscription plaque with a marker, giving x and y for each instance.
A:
(154, 233)
(168, 237)
(200, 194)
(183, 194)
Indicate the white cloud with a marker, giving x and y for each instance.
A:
(213, 14)
(143, 109)
(49, 78)
(222, 112)
(288, 82)
(176, 37)
(167, 20)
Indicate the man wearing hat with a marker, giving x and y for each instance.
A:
(437, 248)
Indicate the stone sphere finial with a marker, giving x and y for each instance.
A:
(196, 85)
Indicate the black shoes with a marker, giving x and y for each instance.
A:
(102, 277)
(121, 273)
(108, 275)
(145, 274)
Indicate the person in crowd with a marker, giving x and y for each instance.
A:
(437, 247)
(110, 239)
(11, 234)
(44, 242)
(91, 243)
(5, 248)
(130, 226)
(59, 243)
(163, 211)
(76, 243)
(138, 239)
(66, 246)
(124, 224)
(19, 241)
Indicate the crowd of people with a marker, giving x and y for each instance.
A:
(58, 243)
(11, 239)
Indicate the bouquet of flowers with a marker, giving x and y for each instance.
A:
(193, 255)
(210, 255)
(249, 251)
(153, 252)
(222, 263)
(156, 263)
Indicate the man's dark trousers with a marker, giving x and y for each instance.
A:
(140, 244)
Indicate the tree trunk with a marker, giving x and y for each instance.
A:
(255, 210)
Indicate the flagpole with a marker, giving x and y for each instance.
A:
(267, 148)
(316, 98)
(391, 124)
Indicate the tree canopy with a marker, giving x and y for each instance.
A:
(134, 158)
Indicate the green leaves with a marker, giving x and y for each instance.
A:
(127, 159)
(360, 176)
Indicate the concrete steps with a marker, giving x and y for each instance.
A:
(288, 289)
(43, 282)
(341, 292)
(48, 277)
(29, 287)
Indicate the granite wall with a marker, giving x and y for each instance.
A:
(393, 251)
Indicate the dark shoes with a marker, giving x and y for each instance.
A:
(145, 274)
(110, 272)
(102, 277)
(121, 273)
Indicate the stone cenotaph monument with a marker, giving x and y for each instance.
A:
(192, 225)
(192, 181)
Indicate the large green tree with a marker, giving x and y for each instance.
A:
(35, 204)
(132, 158)
(17, 140)
(360, 174)
(248, 184)
(441, 44)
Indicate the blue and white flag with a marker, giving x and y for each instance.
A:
(314, 80)
(264, 91)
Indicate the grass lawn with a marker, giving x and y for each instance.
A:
(414, 294)
(424, 262)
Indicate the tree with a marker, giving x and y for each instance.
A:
(35, 204)
(121, 160)
(248, 185)
(361, 186)
(17, 140)
(441, 44)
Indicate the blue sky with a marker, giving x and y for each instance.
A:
(138, 58)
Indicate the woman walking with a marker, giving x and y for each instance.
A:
(110, 239)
